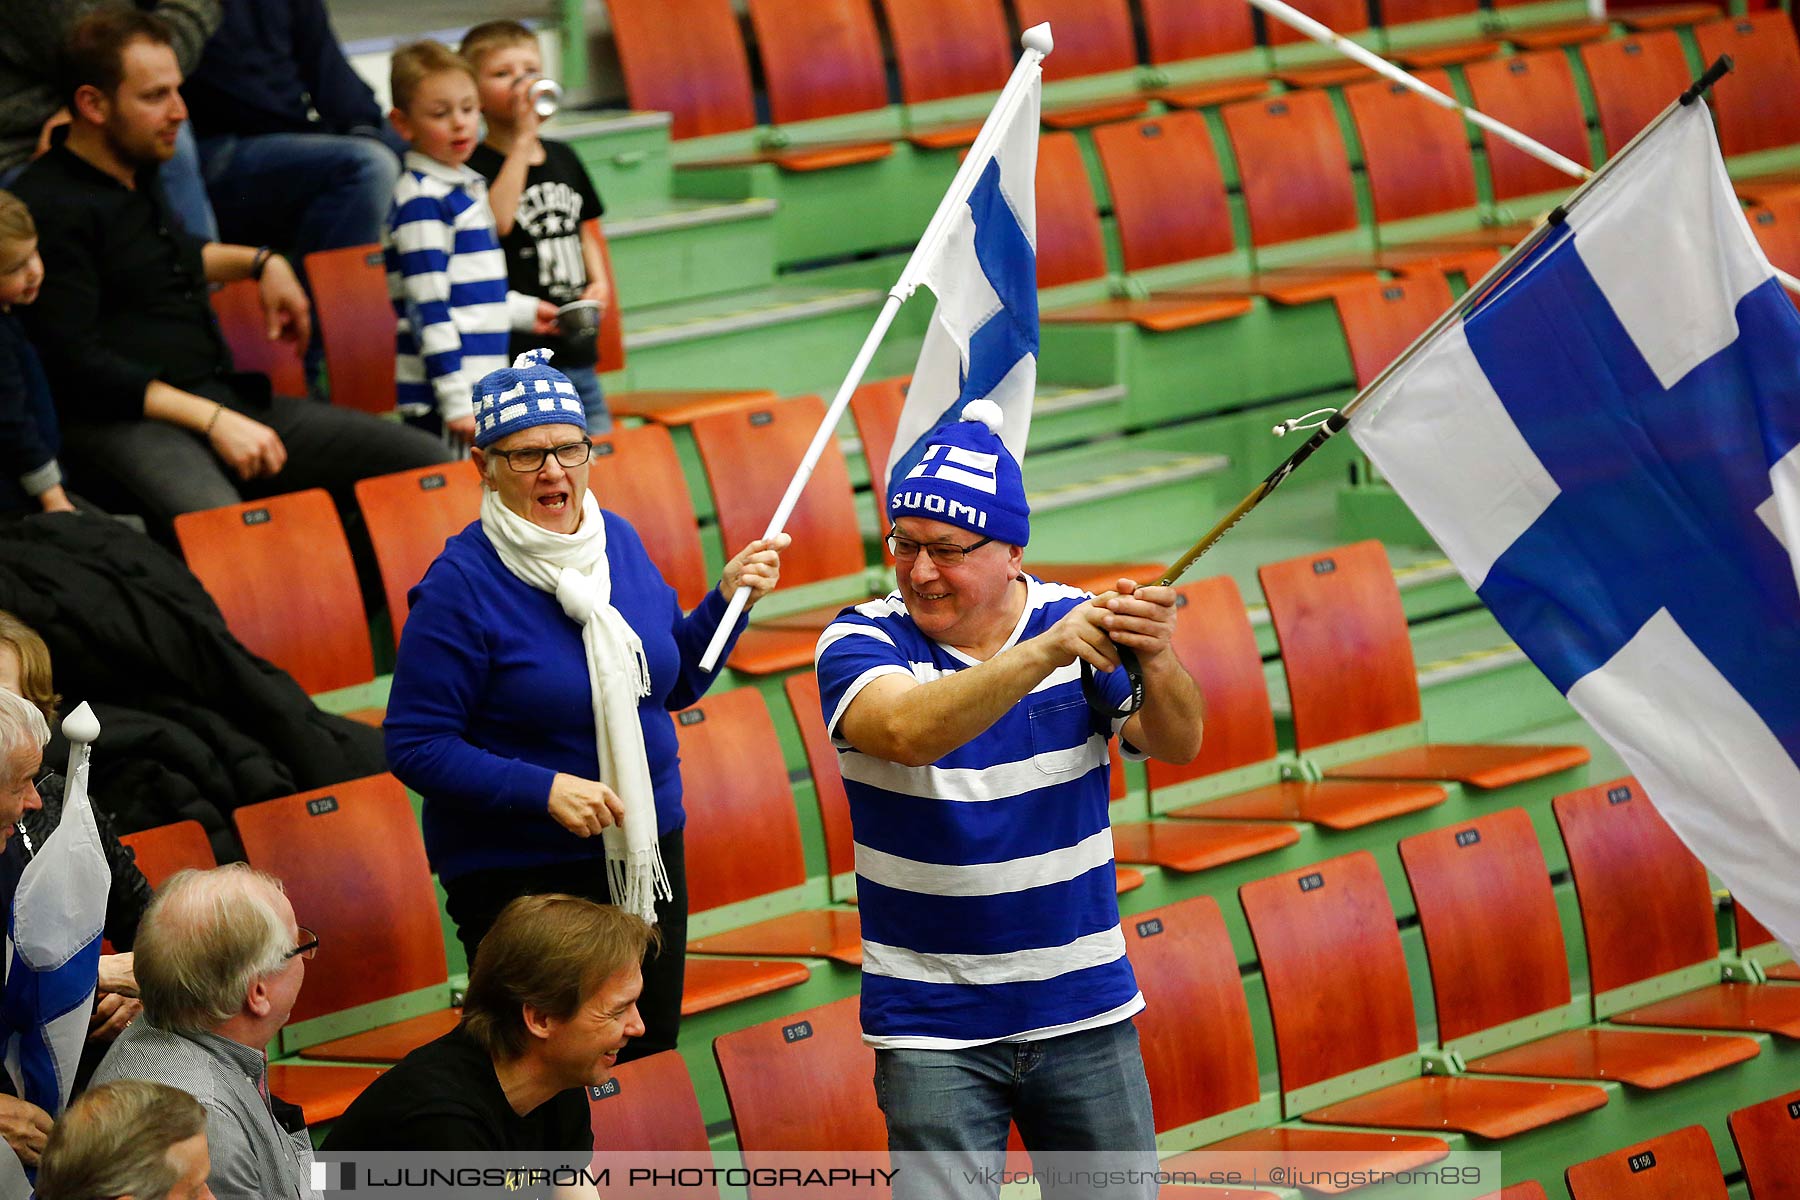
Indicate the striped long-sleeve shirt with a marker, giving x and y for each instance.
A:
(985, 880)
(447, 279)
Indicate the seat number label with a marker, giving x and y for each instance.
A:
(321, 806)
(1641, 1162)
(692, 716)
(1150, 928)
(1468, 837)
(604, 1091)
(1312, 883)
(1618, 795)
(799, 1031)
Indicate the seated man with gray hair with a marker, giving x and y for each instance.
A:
(219, 966)
(130, 1138)
(552, 1000)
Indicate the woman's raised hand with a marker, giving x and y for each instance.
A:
(757, 567)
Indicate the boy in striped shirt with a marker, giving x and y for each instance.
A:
(446, 272)
(995, 983)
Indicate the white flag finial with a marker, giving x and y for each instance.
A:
(81, 725)
(1038, 38)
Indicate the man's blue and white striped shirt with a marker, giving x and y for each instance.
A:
(985, 880)
(447, 280)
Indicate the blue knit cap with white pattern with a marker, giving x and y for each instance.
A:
(530, 392)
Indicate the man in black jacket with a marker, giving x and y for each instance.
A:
(144, 382)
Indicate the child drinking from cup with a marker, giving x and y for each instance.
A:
(541, 195)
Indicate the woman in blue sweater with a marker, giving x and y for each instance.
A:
(542, 656)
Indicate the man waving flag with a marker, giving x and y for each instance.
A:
(1606, 446)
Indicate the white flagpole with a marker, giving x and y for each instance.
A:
(1291, 16)
(1038, 44)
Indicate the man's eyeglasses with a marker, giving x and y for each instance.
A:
(308, 947)
(531, 460)
(944, 554)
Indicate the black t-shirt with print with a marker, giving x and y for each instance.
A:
(445, 1096)
(543, 250)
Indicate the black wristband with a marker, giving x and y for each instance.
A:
(260, 263)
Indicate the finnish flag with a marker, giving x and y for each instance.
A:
(983, 338)
(1606, 446)
(53, 951)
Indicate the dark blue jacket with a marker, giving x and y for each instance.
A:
(269, 63)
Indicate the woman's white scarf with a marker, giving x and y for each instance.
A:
(573, 568)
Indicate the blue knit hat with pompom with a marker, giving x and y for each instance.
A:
(530, 392)
(967, 478)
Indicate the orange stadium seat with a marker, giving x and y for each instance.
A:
(1545, 35)
(1634, 79)
(1418, 165)
(744, 841)
(1093, 37)
(802, 689)
(322, 1092)
(353, 862)
(1496, 950)
(166, 849)
(1751, 933)
(239, 309)
(247, 554)
(820, 58)
(1348, 17)
(648, 1106)
(1646, 908)
(1178, 32)
(1171, 206)
(944, 49)
(801, 1084)
(1381, 319)
(1146, 162)
(1338, 991)
(1348, 657)
(749, 456)
(409, 516)
(356, 325)
(1535, 94)
(687, 58)
(1200, 1054)
(1756, 104)
(1676, 1166)
(636, 474)
(1767, 1136)
(1214, 641)
(1396, 15)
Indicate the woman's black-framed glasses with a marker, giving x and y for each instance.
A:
(944, 554)
(531, 459)
(308, 947)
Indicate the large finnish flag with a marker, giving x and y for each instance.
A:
(983, 338)
(53, 953)
(1606, 448)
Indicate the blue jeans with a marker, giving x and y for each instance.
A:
(1082, 1094)
(299, 191)
(593, 400)
(184, 186)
